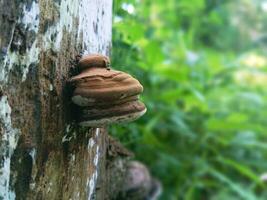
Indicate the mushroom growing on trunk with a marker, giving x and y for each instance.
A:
(106, 96)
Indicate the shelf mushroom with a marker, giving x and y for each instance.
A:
(139, 184)
(106, 96)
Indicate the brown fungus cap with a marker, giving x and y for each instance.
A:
(100, 116)
(94, 60)
(139, 184)
(105, 95)
(95, 85)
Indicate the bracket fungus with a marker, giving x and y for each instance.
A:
(105, 96)
(139, 184)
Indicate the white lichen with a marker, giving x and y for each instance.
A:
(92, 185)
(68, 11)
(91, 143)
(94, 25)
(30, 18)
(91, 181)
(33, 154)
(95, 19)
(30, 21)
(88, 13)
(68, 128)
(66, 138)
(4, 69)
(96, 158)
(68, 134)
(73, 157)
(51, 87)
(9, 141)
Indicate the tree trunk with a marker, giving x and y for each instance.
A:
(43, 153)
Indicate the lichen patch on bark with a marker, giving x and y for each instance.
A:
(20, 49)
(8, 142)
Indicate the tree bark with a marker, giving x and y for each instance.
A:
(43, 153)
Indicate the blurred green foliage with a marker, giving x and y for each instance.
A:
(204, 70)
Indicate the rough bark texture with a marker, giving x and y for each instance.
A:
(43, 153)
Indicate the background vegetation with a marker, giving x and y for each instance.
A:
(204, 69)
